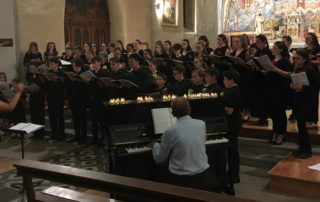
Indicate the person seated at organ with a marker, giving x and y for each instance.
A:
(182, 85)
(184, 145)
(197, 83)
(211, 77)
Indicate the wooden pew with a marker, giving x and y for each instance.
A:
(135, 189)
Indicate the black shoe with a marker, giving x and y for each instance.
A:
(81, 142)
(52, 138)
(296, 152)
(73, 140)
(305, 155)
(60, 139)
(280, 143)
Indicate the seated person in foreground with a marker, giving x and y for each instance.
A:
(184, 144)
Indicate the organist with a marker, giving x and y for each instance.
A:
(184, 144)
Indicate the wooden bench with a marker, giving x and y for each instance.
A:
(134, 189)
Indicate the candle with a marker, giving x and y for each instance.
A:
(117, 101)
(122, 101)
(185, 96)
(112, 102)
(173, 97)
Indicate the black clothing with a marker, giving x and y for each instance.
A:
(214, 88)
(37, 106)
(188, 71)
(259, 88)
(55, 98)
(182, 87)
(98, 94)
(304, 102)
(115, 92)
(222, 68)
(141, 53)
(277, 87)
(78, 100)
(140, 77)
(197, 89)
(189, 55)
(164, 56)
(209, 50)
(18, 114)
(27, 59)
(106, 66)
(244, 83)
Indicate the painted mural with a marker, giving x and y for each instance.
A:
(273, 17)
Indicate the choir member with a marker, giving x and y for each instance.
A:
(104, 61)
(78, 54)
(116, 73)
(77, 91)
(177, 49)
(98, 94)
(104, 47)
(197, 82)
(200, 50)
(111, 47)
(253, 49)
(182, 85)
(186, 49)
(90, 55)
(86, 47)
(50, 49)
(304, 98)
(232, 109)
(68, 56)
(199, 63)
(222, 50)
(32, 54)
(130, 48)
(147, 53)
(313, 48)
(277, 88)
(247, 40)
(259, 86)
(139, 76)
(205, 41)
(136, 46)
(55, 98)
(159, 51)
(242, 52)
(117, 54)
(119, 44)
(211, 78)
(36, 101)
(161, 82)
(94, 49)
(167, 47)
(68, 45)
(153, 66)
(287, 40)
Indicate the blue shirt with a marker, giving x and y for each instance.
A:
(185, 143)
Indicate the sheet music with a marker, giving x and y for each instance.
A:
(63, 62)
(265, 62)
(9, 94)
(32, 87)
(43, 68)
(88, 74)
(173, 119)
(161, 120)
(27, 127)
(236, 60)
(70, 73)
(300, 78)
(49, 75)
(6, 85)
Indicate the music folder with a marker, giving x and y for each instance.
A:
(162, 119)
(263, 62)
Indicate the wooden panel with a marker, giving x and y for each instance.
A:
(74, 195)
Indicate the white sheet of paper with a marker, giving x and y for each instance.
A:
(161, 120)
(300, 78)
(19, 126)
(6, 85)
(28, 127)
(315, 167)
(265, 62)
(63, 62)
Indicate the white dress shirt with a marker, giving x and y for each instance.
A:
(184, 143)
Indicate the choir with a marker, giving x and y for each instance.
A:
(174, 69)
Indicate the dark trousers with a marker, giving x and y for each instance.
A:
(233, 156)
(203, 181)
(303, 111)
(278, 112)
(314, 112)
(37, 114)
(56, 120)
(96, 118)
(79, 117)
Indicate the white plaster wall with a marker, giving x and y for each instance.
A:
(8, 56)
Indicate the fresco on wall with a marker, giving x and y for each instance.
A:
(280, 16)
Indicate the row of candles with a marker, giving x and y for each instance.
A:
(166, 98)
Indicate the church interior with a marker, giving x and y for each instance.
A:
(160, 100)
